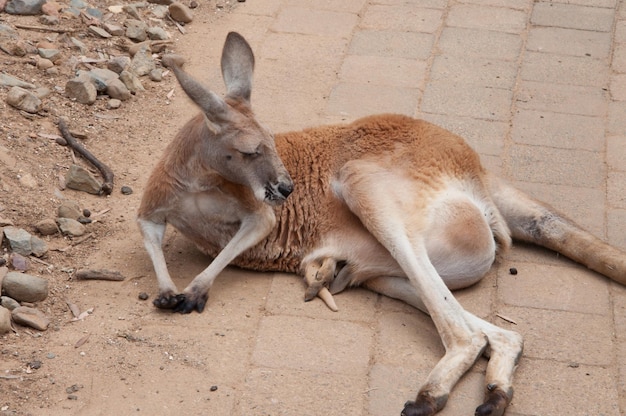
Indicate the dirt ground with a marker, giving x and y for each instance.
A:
(125, 347)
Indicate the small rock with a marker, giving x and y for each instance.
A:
(25, 287)
(47, 227)
(162, 2)
(213, 388)
(132, 11)
(132, 82)
(9, 81)
(513, 270)
(79, 178)
(86, 213)
(100, 77)
(53, 55)
(23, 100)
(19, 240)
(24, 7)
(51, 9)
(98, 31)
(117, 89)
(84, 220)
(44, 64)
(31, 317)
(114, 104)
(156, 75)
(35, 364)
(79, 45)
(180, 12)
(42, 92)
(69, 209)
(112, 28)
(71, 227)
(81, 89)
(136, 30)
(49, 20)
(126, 190)
(5, 320)
(143, 296)
(38, 246)
(157, 33)
(142, 63)
(9, 302)
(118, 64)
(19, 262)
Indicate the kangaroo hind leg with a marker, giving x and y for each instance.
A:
(391, 208)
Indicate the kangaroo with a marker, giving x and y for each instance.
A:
(388, 202)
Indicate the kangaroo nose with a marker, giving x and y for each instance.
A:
(285, 189)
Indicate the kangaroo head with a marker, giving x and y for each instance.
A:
(237, 146)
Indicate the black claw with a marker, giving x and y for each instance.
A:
(496, 403)
(168, 301)
(191, 302)
(418, 409)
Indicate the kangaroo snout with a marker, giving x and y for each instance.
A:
(277, 193)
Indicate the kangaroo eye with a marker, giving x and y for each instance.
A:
(250, 155)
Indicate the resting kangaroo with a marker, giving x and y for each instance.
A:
(388, 202)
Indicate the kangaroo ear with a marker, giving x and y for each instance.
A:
(237, 66)
(210, 103)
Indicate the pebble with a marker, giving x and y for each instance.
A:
(9, 302)
(98, 31)
(142, 63)
(143, 296)
(113, 29)
(114, 104)
(126, 190)
(38, 246)
(19, 262)
(118, 64)
(132, 82)
(86, 213)
(24, 7)
(180, 12)
(23, 100)
(19, 240)
(25, 287)
(47, 227)
(117, 89)
(69, 209)
(5, 320)
(43, 63)
(156, 75)
(30, 317)
(157, 33)
(27, 180)
(10, 81)
(136, 30)
(80, 179)
(81, 89)
(71, 227)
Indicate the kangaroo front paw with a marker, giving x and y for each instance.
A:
(190, 302)
(168, 300)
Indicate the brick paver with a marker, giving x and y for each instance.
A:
(539, 89)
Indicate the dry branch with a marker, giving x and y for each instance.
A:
(107, 174)
(99, 274)
(45, 29)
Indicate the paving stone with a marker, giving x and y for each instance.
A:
(565, 131)
(359, 100)
(314, 22)
(572, 16)
(485, 43)
(271, 391)
(569, 42)
(616, 218)
(483, 72)
(616, 125)
(490, 18)
(352, 6)
(401, 17)
(616, 189)
(570, 288)
(466, 100)
(559, 69)
(570, 99)
(618, 87)
(314, 344)
(551, 388)
(386, 71)
(409, 45)
(618, 64)
(557, 166)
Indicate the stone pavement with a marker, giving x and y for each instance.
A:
(539, 89)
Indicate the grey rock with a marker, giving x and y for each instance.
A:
(69, 209)
(114, 104)
(38, 246)
(71, 227)
(117, 89)
(94, 12)
(9, 81)
(142, 63)
(160, 11)
(163, 2)
(98, 31)
(8, 302)
(132, 82)
(180, 12)
(157, 33)
(81, 89)
(79, 178)
(44, 63)
(136, 30)
(30, 317)
(42, 92)
(5, 320)
(25, 287)
(112, 28)
(24, 7)
(101, 77)
(23, 100)
(47, 227)
(79, 4)
(131, 10)
(19, 240)
(20, 263)
(51, 54)
(49, 20)
(118, 64)
(79, 45)
(156, 75)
